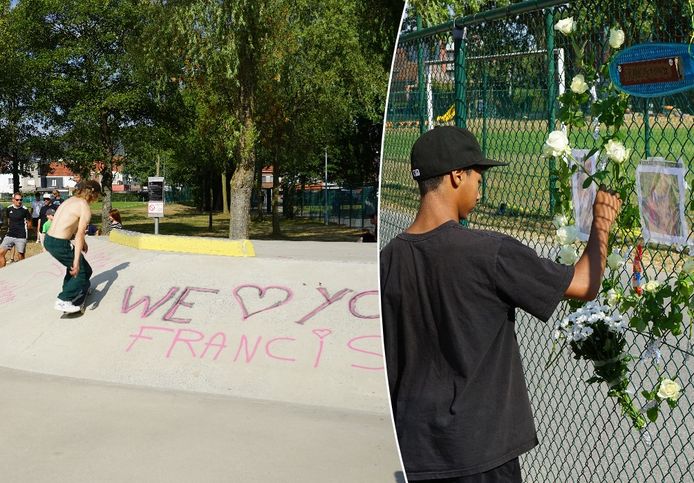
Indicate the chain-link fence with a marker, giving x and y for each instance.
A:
(498, 73)
(349, 206)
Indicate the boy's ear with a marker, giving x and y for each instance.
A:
(456, 177)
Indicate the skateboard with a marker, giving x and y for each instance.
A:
(83, 307)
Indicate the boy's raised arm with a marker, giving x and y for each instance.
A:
(590, 268)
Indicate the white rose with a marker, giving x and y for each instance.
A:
(578, 84)
(557, 144)
(567, 234)
(616, 38)
(560, 220)
(616, 151)
(613, 297)
(688, 266)
(565, 25)
(615, 261)
(651, 286)
(669, 389)
(567, 255)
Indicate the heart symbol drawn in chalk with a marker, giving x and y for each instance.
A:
(322, 333)
(261, 293)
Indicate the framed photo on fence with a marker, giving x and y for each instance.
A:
(583, 198)
(661, 195)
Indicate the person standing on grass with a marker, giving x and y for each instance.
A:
(448, 296)
(57, 199)
(70, 221)
(47, 205)
(18, 219)
(36, 213)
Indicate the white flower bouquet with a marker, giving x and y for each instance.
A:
(595, 333)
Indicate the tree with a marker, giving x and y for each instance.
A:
(19, 79)
(92, 97)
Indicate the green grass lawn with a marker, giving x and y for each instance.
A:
(186, 220)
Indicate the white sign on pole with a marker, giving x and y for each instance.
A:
(155, 187)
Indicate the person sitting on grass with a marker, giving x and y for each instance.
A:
(70, 221)
(114, 219)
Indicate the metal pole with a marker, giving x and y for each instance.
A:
(647, 129)
(156, 219)
(485, 80)
(551, 96)
(326, 185)
(422, 108)
(460, 77)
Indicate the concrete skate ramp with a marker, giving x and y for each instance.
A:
(296, 325)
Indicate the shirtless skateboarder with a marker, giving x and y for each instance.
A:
(70, 221)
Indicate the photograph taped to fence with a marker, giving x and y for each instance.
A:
(583, 198)
(661, 194)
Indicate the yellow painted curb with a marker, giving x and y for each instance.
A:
(183, 244)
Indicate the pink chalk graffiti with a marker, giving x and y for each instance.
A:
(210, 343)
(244, 344)
(177, 338)
(262, 291)
(350, 344)
(57, 270)
(329, 300)
(321, 334)
(125, 307)
(269, 353)
(353, 305)
(169, 316)
(7, 292)
(247, 350)
(136, 337)
(99, 259)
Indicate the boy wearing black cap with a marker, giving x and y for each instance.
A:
(449, 294)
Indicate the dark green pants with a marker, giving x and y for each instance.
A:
(74, 288)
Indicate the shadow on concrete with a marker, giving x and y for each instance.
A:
(399, 477)
(106, 278)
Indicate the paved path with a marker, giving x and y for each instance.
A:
(197, 368)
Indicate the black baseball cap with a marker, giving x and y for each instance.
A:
(444, 149)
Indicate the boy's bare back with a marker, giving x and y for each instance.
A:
(72, 217)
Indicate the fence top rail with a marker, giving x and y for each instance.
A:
(497, 13)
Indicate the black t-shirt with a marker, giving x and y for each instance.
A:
(456, 380)
(17, 217)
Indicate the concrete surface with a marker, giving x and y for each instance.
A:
(193, 367)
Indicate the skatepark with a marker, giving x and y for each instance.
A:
(195, 367)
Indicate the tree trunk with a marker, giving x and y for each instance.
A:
(15, 171)
(106, 189)
(106, 171)
(276, 229)
(225, 192)
(242, 183)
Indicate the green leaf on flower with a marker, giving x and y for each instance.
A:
(671, 403)
(638, 323)
(652, 414)
(647, 395)
(588, 181)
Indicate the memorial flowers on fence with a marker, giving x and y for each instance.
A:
(596, 331)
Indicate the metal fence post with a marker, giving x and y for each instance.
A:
(485, 80)
(421, 83)
(551, 97)
(647, 129)
(460, 77)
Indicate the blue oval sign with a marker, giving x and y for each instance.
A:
(653, 69)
